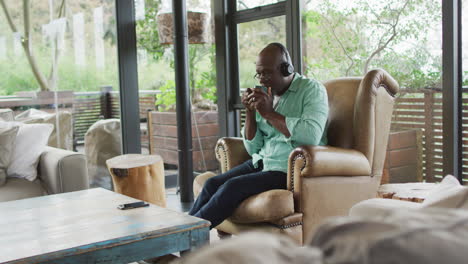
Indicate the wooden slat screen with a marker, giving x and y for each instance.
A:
(90, 107)
(86, 111)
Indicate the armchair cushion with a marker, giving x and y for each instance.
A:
(200, 180)
(269, 206)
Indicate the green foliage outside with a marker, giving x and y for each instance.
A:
(167, 98)
(17, 76)
(392, 35)
(202, 72)
(156, 74)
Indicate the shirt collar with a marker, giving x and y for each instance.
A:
(293, 86)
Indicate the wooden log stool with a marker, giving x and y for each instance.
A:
(139, 176)
(413, 192)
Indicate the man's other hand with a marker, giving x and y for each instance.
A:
(262, 101)
(247, 100)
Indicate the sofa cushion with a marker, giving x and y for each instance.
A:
(65, 127)
(268, 206)
(429, 235)
(30, 142)
(379, 206)
(447, 194)
(16, 188)
(254, 247)
(7, 144)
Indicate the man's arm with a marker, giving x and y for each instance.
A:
(250, 125)
(308, 129)
(253, 139)
(278, 121)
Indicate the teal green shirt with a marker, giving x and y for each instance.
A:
(305, 106)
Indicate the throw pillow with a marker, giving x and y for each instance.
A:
(7, 143)
(31, 141)
(448, 194)
(61, 137)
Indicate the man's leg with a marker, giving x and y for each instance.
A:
(212, 184)
(228, 197)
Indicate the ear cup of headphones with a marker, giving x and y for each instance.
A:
(286, 69)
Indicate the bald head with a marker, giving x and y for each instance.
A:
(274, 53)
(268, 65)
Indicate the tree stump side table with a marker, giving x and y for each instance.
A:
(139, 176)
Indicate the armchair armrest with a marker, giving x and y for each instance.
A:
(323, 161)
(230, 152)
(63, 170)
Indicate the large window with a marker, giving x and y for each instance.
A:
(68, 71)
(247, 4)
(349, 38)
(157, 84)
(253, 37)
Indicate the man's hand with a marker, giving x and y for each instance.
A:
(247, 100)
(262, 101)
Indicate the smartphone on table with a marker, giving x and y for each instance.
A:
(132, 205)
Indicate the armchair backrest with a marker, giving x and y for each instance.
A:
(360, 114)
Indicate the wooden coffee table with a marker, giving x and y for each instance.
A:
(86, 227)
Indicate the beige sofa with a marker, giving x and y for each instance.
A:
(426, 236)
(58, 171)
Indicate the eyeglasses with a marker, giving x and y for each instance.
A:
(263, 76)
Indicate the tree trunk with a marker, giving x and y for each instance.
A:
(139, 176)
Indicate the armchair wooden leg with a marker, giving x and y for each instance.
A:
(223, 235)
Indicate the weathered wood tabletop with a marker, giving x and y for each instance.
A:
(87, 227)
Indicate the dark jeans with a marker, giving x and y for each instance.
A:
(222, 194)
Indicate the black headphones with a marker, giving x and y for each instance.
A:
(286, 67)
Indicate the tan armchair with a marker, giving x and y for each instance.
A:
(323, 181)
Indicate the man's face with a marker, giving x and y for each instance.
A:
(268, 73)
